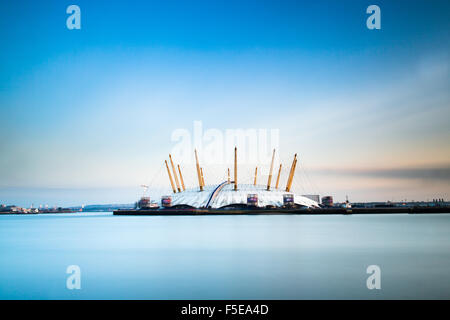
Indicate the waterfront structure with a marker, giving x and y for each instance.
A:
(12, 209)
(224, 195)
(230, 194)
(327, 201)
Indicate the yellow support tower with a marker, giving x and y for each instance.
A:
(269, 180)
(181, 178)
(203, 179)
(198, 171)
(170, 177)
(235, 169)
(175, 174)
(278, 177)
(291, 174)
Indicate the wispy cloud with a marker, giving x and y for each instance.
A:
(441, 173)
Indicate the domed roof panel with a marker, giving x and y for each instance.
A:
(224, 194)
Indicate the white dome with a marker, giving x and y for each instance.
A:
(223, 194)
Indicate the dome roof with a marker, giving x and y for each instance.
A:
(218, 196)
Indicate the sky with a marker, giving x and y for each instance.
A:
(87, 115)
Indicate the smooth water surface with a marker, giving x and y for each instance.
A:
(224, 257)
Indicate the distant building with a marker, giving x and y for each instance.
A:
(143, 203)
(327, 201)
(314, 197)
(11, 209)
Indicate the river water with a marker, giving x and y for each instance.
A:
(224, 257)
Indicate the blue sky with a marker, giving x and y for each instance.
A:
(94, 109)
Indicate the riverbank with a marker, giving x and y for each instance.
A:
(283, 211)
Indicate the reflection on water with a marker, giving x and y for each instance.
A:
(215, 257)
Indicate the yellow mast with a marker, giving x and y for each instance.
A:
(203, 179)
(291, 174)
(270, 172)
(256, 175)
(235, 168)
(228, 175)
(278, 177)
(181, 177)
(170, 177)
(198, 172)
(175, 174)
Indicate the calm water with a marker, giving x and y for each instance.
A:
(242, 257)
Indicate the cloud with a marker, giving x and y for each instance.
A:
(441, 173)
